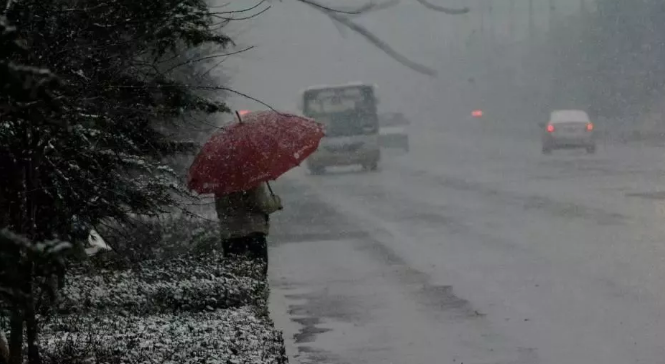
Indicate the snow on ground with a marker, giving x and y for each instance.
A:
(238, 335)
(189, 309)
(155, 287)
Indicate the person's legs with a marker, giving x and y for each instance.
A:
(258, 248)
(235, 246)
(241, 246)
(254, 245)
(226, 247)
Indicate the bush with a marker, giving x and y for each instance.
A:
(184, 284)
(221, 336)
(146, 238)
(164, 295)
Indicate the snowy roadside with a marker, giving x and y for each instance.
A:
(189, 308)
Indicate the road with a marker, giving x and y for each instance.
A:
(475, 248)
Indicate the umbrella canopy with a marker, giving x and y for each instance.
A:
(262, 146)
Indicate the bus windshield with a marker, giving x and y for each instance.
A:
(345, 110)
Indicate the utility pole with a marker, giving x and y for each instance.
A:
(482, 19)
(532, 26)
(459, 29)
(551, 49)
(551, 14)
(492, 25)
(511, 24)
(453, 38)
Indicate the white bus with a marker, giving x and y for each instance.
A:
(351, 123)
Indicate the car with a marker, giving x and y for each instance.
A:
(568, 129)
(392, 131)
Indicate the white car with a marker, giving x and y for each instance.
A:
(568, 129)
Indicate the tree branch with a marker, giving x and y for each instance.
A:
(322, 7)
(227, 18)
(377, 42)
(238, 11)
(342, 19)
(443, 9)
(200, 59)
(377, 7)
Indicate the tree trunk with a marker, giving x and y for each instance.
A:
(33, 347)
(30, 319)
(32, 332)
(4, 207)
(16, 337)
(4, 348)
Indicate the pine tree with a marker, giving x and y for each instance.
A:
(86, 147)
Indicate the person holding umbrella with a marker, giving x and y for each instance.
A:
(236, 164)
(244, 218)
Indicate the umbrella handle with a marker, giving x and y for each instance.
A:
(273, 195)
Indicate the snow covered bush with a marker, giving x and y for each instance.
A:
(165, 286)
(195, 308)
(220, 336)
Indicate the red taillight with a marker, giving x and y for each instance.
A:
(589, 126)
(477, 113)
(550, 128)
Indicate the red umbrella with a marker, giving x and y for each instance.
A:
(262, 146)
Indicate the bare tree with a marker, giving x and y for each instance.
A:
(343, 19)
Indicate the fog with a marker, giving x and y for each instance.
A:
(472, 246)
(318, 181)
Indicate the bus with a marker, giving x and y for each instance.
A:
(349, 114)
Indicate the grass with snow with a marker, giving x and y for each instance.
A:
(183, 284)
(190, 307)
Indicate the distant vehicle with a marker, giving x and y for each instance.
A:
(477, 113)
(351, 123)
(568, 129)
(392, 131)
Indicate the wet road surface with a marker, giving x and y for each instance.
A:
(472, 248)
(475, 248)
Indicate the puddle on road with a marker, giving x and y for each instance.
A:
(317, 313)
(310, 328)
(656, 195)
(291, 238)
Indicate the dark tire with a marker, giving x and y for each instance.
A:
(547, 150)
(591, 149)
(371, 166)
(317, 170)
